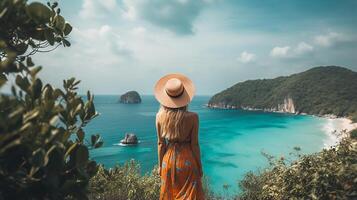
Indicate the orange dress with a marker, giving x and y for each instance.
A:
(180, 162)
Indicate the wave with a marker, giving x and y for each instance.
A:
(126, 145)
(330, 128)
(336, 129)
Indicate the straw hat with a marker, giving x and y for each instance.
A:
(174, 90)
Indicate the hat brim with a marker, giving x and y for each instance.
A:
(174, 102)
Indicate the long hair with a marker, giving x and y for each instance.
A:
(171, 121)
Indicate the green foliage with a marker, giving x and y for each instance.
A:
(26, 29)
(125, 182)
(320, 90)
(354, 117)
(329, 174)
(353, 134)
(38, 157)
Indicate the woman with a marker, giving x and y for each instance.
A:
(180, 165)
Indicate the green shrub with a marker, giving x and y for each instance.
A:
(353, 134)
(354, 117)
(125, 182)
(38, 157)
(329, 174)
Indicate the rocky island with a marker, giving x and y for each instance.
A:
(131, 97)
(130, 139)
(317, 91)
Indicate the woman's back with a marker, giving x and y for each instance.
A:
(189, 121)
(181, 168)
(179, 156)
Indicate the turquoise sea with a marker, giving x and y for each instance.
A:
(231, 140)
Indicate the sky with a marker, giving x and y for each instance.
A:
(122, 45)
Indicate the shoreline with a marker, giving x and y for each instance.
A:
(336, 128)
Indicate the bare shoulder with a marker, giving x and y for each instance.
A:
(192, 115)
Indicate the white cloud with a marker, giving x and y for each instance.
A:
(280, 51)
(130, 11)
(138, 30)
(303, 48)
(328, 39)
(289, 52)
(177, 16)
(93, 9)
(103, 43)
(246, 57)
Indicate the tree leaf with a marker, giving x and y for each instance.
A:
(21, 48)
(35, 70)
(66, 43)
(98, 144)
(38, 12)
(49, 36)
(59, 22)
(31, 115)
(22, 82)
(88, 95)
(3, 12)
(94, 139)
(80, 135)
(58, 93)
(82, 156)
(38, 158)
(29, 62)
(3, 79)
(36, 88)
(70, 149)
(67, 29)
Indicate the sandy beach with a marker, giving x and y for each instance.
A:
(336, 129)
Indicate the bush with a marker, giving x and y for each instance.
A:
(353, 134)
(354, 117)
(125, 182)
(329, 174)
(38, 157)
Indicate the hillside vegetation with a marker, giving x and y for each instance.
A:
(329, 174)
(319, 91)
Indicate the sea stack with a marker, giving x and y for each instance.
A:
(130, 139)
(131, 97)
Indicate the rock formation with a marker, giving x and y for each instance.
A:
(130, 138)
(131, 97)
(288, 106)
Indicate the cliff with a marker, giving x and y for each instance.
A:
(318, 91)
(131, 97)
(288, 106)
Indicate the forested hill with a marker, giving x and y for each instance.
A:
(319, 91)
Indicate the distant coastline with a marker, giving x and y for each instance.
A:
(336, 128)
(325, 91)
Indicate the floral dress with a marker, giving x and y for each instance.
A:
(181, 169)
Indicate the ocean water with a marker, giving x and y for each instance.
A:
(231, 141)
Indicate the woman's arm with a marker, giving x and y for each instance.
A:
(195, 145)
(161, 145)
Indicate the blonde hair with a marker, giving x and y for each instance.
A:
(171, 121)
